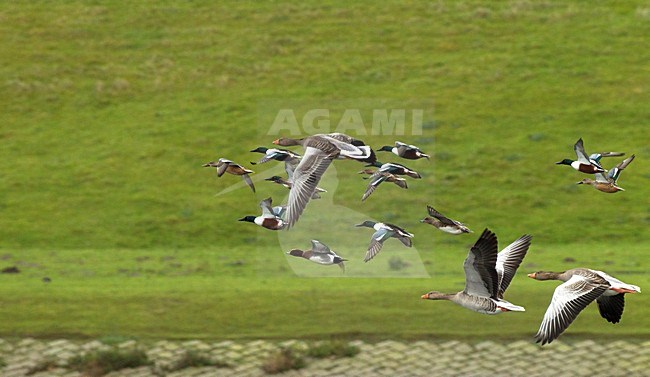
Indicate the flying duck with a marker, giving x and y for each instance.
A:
(384, 231)
(583, 164)
(281, 181)
(443, 223)
(271, 217)
(290, 159)
(376, 180)
(488, 275)
(227, 166)
(410, 152)
(608, 183)
(581, 286)
(320, 151)
(395, 169)
(319, 253)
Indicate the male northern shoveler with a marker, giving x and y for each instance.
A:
(608, 183)
(384, 231)
(289, 158)
(395, 169)
(320, 151)
(271, 217)
(443, 223)
(227, 166)
(581, 286)
(410, 152)
(281, 181)
(377, 179)
(488, 275)
(583, 164)
(319, 253)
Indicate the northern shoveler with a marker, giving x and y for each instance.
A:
(286, 183)
(271, 217)
(608, 183)
(290, 159)
(488, 275)
(395, 169)
(443, 223)
(319, 253)
(581, 286)
(384, 231)
(227, 166)
(583, 164)
(377, 179)
(410, 152)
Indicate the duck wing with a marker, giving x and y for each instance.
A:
(569, 299)
(443, 219)
(611, 307)
(481, 277)
(290, 166)
(614, 173)
(579, 148)
(320, 248)
(267, 208)
(509, 259)
(222, 166)
(375, 181)
(248, 181)
(305, 179)
(377, 242)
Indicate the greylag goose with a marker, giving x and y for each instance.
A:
(320, 151)
(581, 286)
(584, 164)
(488, 275)
(608, 183)
(443, 223)
(410, 152)
(319, 253)
(384, 231)
(271, 217)
(227, 166)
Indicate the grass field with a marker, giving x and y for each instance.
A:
(110, 108)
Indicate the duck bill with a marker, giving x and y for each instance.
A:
(208, 165)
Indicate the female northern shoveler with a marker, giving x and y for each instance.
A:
(581, 286)
(488, 275)
(384, 231)
(583, 164)
(227, 166)
(410, 152)
(443, 223)
(608, 183)
(319, 253)
(271, 217)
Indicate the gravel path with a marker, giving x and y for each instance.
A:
(388, 358)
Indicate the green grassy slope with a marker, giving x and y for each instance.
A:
(110, 108)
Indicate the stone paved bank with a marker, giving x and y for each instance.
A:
(387, 358)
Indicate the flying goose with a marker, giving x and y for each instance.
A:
(581, 286)
(488, 275)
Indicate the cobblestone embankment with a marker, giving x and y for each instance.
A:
(388, 358)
